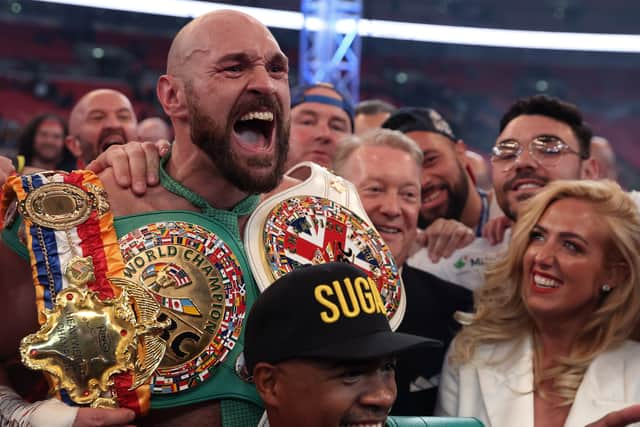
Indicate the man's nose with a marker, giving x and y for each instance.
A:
(261, 81)
(111, 121)
(390, 204)
(525, 159)
(381, 392)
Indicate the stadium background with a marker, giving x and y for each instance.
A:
(51, 54)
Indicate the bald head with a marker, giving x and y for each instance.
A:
(199, 35)
(153, 129)
(226, 92)
(101, 118)
(603, 154)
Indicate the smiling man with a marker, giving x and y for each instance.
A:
(541, 139)
(324, 360)
(321, 116)
(391, 198)
(448, 190)
(101, 118)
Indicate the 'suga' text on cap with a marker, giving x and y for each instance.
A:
(362, 295)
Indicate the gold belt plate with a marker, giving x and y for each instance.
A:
(85, 341)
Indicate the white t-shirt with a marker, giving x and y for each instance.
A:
(466, 266)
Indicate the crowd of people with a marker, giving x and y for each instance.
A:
(520, 278)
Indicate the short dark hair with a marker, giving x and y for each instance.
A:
(27, 137)
(554, 108)
(374, 106)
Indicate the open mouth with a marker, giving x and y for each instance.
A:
(254, 130)
(387, 230)
(545, 283)
(111, 141)
(433, 195)
(527, 185)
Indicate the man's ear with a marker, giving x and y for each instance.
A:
(461, 150)
(170, 91)
(590, 169)
(73, 144)
(265, 378)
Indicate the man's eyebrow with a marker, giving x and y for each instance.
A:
(307, 111)
(279, 56)
(236, 56)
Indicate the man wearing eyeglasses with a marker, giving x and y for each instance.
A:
(541, 139)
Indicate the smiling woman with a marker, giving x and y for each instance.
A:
(548, 339)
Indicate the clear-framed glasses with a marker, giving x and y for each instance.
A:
(547, 150)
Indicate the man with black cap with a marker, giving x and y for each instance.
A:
(321, 115)
(320, 350)
(453, 210)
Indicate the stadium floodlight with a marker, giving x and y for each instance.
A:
(472, 36)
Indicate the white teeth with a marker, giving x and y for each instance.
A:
(527, 186)
(545, 282)
(387, 229)
(431, 197)
(267, 116)
(362, 425)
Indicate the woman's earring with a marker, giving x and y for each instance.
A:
(606, 289)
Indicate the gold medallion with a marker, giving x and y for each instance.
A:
(57, 205)
(79, 270)
(85, 341)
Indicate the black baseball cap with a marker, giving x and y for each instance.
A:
(412, 119)
(328, 311)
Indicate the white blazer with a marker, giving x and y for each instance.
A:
(500, 395)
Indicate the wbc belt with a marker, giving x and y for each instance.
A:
(321, 220)
(98, 339)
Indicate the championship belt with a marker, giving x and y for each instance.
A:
(98, 338)
(321, 220)
(198, 282)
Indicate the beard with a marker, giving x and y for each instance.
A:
(457, 194)
(215, 140)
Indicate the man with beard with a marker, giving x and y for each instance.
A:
(541, 139)
(100, 119)
(452, 210)
(226, 92)
(321, 116)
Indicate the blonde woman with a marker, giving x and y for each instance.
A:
(547, 344)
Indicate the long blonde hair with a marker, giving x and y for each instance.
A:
(500, 312)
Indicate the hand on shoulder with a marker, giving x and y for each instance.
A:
(134, 164)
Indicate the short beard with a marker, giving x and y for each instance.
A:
(457, 195)
(215, 141)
